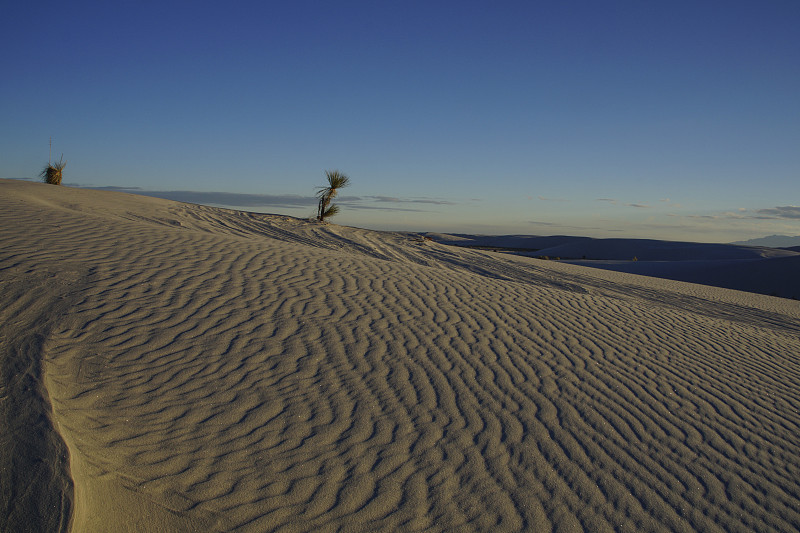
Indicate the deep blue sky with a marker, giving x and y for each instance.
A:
(676, 120)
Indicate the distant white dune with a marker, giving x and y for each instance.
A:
(771, 271)
(777, 276)
(652, 250)
(568, 247)
(773, 241)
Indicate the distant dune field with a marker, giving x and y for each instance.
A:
(175, 367)
(771, 271)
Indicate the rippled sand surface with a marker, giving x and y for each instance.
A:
(198, 369)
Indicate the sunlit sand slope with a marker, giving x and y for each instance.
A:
(218, 371)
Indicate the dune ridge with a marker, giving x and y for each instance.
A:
(218, 370)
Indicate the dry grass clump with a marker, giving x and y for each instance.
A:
(53, 171)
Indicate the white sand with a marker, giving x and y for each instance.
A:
(213, 370)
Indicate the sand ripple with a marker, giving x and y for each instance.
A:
(234, 371)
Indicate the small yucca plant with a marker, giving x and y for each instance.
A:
(336, 181)
(52, 172)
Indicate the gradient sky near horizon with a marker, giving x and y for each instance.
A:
(671, 120)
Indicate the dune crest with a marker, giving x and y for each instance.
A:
(217, 370)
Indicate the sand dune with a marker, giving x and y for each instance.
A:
(214, 370)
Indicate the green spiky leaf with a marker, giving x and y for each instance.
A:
(330, 211)
(336, 180)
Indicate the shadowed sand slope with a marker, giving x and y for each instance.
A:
(776, 276)
(217, 371)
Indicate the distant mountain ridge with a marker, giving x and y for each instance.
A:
(772, 241)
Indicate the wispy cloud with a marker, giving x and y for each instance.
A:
(614, 201)
(368, 203)
(565, 226)
(710, 217)
(545, 199)
(415, 200)
(788, 211)
(356, 205)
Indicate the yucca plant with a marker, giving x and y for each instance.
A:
(330, 211)
(53, 171)
(336, 181)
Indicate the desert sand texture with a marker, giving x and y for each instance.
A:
(175, 367)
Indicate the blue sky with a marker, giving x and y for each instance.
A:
(674, 120)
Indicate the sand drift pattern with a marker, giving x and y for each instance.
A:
(242, 372)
